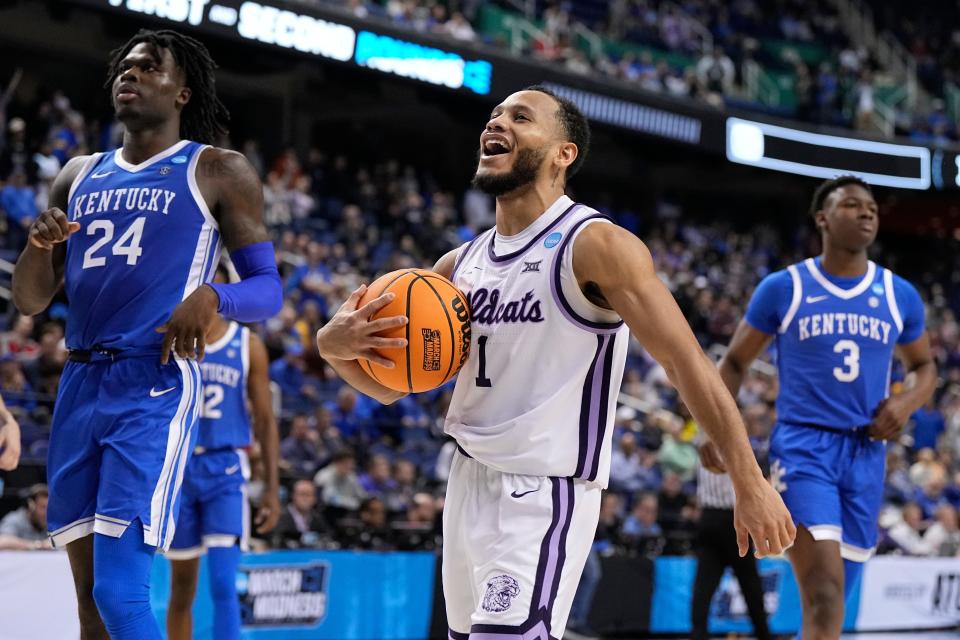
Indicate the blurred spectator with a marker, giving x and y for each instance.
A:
(378, 480)
(18, 341)
(338, 483)
(642, 521)
(928, 424)
(625, 469)
(301, 524)
(18, 202)
(300, 451)
(671, 501)
(26, 528)
(943, 536)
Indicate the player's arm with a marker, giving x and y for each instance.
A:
(230, 186)
(745, 346)
(265, 431)
(39, 269)
(613, 264)
(9, 439)
(350, 334)
(921, 381)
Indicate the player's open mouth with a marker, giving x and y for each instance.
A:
(494, 146)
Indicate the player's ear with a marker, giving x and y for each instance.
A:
(183, 96)
(820, 219)
(567, 154)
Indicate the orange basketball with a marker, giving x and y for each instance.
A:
(438, 333)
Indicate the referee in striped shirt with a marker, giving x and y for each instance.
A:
(717, 548)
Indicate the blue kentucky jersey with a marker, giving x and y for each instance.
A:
(834, 339)
(146, 241)
(224, 419)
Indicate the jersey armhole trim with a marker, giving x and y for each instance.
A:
(892, 299)
(88, 166)
(794, 301)
(245, 352)
(462, 255)
(195, 188)
(556, 284)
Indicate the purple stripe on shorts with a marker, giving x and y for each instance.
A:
(567, 488)
(556, 553)
(585, 411)
(537, 632)
(519, 252)
(600, 427)
(538, 582)
(556, 287)
(456, 635)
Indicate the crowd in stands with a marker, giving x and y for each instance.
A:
(359, 474)
(713, 51)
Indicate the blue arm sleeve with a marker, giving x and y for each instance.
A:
(259, 295)
(770, 302)
(911, 310)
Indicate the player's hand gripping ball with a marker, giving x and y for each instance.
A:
(438, 331)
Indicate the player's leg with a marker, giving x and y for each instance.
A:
(805, 468)
(861, 497)
(818, 569)
(748, 575)
(183, 589)
(144, 455)
(184, 555)
(73, 471)
(459, 593)
(80, 553)
(224, 518)
(121, 584)
(711, 561)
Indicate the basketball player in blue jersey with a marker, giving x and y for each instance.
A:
(837, 320)
(554, 290)
(134, 236)
(214, 509)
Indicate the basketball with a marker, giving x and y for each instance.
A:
(438, 333)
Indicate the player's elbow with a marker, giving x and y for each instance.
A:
(28, 304)
(389, 397)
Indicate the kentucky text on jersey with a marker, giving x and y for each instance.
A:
(844, 324)
(486, 308)
(219, 373)
(132, 199)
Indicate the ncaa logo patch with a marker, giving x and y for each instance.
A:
(178, 159)
(552, 240)
(501, 591)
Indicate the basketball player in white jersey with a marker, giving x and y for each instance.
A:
(555, 289)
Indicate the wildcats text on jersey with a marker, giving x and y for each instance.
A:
(486, 308)
(132, 199)
(844, 324)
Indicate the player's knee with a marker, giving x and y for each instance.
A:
(88, 613)
(824, 602)
(183, 588)
(116, 598)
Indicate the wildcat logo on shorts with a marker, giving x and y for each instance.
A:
(500, 593)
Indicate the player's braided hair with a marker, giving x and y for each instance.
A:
(204, 117)
(829, 186)
(575, 126)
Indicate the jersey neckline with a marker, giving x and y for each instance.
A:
(134, 168)
(562, 202)
(224, 339)
(845, 294)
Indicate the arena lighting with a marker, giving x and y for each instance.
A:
(420, 62)
(631, 115)
(826, 156)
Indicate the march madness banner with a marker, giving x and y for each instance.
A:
(909, 593)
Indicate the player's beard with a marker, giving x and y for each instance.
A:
(523, 172)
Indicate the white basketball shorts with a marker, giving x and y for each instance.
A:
(514, 547)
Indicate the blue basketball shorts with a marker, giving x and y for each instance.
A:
(832, 483)
(214, 511)
(122, 433)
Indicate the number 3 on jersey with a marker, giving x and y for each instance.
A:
(851, 361)
(127, 245)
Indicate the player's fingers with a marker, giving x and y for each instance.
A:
(743, 540)
(375, 305)
(388, 343)
(60, 219)
(376, 358)
(350, 304)
(201, 345)
(40, 243)
(45, 232)
(382, 324)
(774, 545)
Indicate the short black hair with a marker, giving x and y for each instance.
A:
(829, 186)
(575, 126)
(204, 118)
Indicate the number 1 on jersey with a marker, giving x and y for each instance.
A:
(482, 380)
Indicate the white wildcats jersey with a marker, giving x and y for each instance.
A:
(538, 394)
